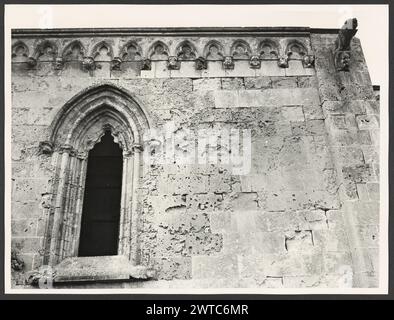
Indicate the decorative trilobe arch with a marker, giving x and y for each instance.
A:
(296, 49)
(268, 49)
(20, 51)
(240, 49)
(213, 50)
(77, 127)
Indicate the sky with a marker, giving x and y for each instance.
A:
(372, 20)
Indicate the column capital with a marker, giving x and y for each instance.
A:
(137, 147)
(66, 148)
(45, 147)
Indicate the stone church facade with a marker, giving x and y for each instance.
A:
(301, 208)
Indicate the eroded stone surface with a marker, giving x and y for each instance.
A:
(284, 222)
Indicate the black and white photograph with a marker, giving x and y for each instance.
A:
(196, 149)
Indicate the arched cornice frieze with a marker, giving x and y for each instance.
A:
(158, 51)
(240, 50)
(186, 50)
(19, 51)
(101, 50)
(214, 51)
(46, 50)
(131, 51)
(74, 51)
(296, 49)
(268, 49)
(93, 53)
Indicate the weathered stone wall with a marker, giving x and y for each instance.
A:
(304, 215)
(352, 120)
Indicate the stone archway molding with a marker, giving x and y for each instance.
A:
(77, 127)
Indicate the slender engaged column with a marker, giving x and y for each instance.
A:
(57, 217)
(134, 256)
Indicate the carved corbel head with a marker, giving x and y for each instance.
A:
(115, 63)
(228, 63)
(201, 63)
(342, 60)
(31, 62)
(283, 61)
(59, 63)
(45, 147)
(173, 63)
(255, 62)
(146, 64)
(308, 61)
(88, 63)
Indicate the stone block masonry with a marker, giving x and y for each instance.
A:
(302, 212)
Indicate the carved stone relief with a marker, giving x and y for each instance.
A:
(20, 52)
(342, 53)
(17, 263)
(201, 63)
(268, 50)
(283, 61)
(74, 51)
(240, 50)
(116, 63)
(159, 52)
(296, 50)
(173, 63)
(88, 64)
(214, 51)
(255, 62)
(146, 64)
(31, 62)
(46, 51)
(342, 60)
(346, 34)
(186, 52)
(228, 63)
(103, 51)
(131, 52)
(308, 61)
